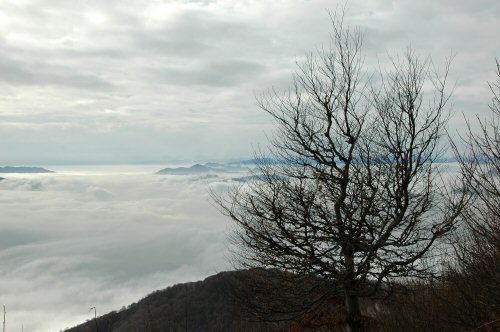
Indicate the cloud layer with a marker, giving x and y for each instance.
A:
(106, 238)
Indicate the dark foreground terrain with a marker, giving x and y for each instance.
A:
(266, 300)
(207, 305)
(247, 300)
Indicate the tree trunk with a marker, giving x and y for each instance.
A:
(353, 313)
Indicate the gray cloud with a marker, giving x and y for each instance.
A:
(221, 73)
(36, 73)
(101, 66)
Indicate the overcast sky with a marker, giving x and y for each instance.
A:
(145, 81)
(134, 81)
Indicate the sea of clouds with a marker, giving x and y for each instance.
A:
(102, 236)
(105, 237)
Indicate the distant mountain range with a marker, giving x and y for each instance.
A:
(24, 169)
(256, 161)
(244, 167)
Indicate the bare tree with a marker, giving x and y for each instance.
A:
(475, 276)
(481, 166)
(356, 198)
(467, 298)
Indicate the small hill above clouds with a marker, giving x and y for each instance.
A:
(24, 169)
(201, 169)
(195, 169)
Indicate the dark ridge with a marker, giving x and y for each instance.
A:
(207, 305)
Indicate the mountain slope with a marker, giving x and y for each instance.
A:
(206, 305)
(231, 301)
